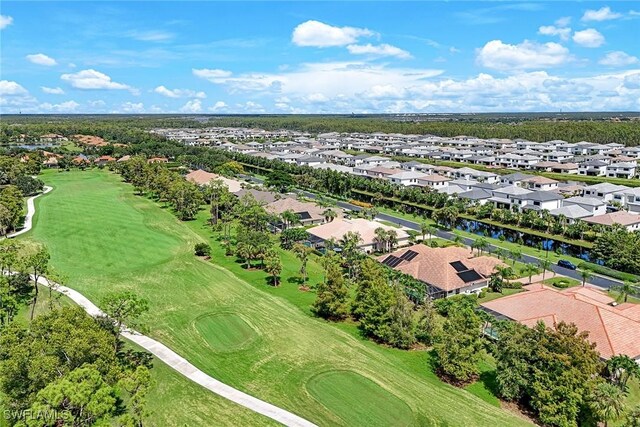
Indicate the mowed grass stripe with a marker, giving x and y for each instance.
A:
(292, 348)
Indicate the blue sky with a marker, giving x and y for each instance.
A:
(318, 57)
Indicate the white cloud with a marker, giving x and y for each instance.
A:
(318, 34)
(151, 36)
(588, 38)
(378, 50)
(213, 75)
(63, 107)
(5, 21)
(618, 58)
(526, 55)
(9, 88)
(218, 106)
(315, 98)
(193, 106)
(41, 59)
(602, 14)
(331, 79)
(385, 92)
(179, 93)
(92, 79)
(551, 30)
(52, 90)
(132, 107)
(563, 22)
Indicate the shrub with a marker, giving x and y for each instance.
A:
(561, 283)
(606, 271)
(512, 285)
(202, 249)
(361, 204)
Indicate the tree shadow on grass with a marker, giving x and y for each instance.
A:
(295, 280)
(490, 381)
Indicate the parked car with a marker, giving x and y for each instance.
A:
(566, 264)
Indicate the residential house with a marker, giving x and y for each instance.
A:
(630, 221)
(614, 328)
(444, 271)
(590, 204)
(336, 230)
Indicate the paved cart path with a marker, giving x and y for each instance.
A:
(168, 356)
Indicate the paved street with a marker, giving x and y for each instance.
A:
(597, 280)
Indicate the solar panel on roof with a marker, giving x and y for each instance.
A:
(409, 255)
(458, 266)
(304, 215)
(392, 261)
(469, 276)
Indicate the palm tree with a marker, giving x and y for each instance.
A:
(289, 218)
(529, 270)
(544, 265)
(302, 252)
(607, 402)
(457, 239)
(329, 215)
(585, 274)
(516, 255)
(273, 266)
(480, 244)
(380, 239)
(626, 289)
(392, 239)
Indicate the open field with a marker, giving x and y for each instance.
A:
(256, 338)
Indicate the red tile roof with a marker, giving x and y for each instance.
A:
(614, 329)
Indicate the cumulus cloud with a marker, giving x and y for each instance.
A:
(602, 14)
(132, 107)
(193, 106)
(179, 93)
(63, 107)
(329, 78)
(378, 50)
(318, 34)
(41, 59)
(92, 79)
(552, 30)
(5, 21)
(9, 88)
(588, 38)
(219, 106)
(524, 56)
(52, 90)
(213, 75)
(618, 58)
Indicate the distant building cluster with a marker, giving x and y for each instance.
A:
(602, 203)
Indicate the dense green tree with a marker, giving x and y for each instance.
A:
(54, 344)
(554, 371)
(291, 236)
(137, 386)
(80, 398)
(458, 346)
(28, 185)
(11, 201)
(280, 181)
(332, 294)
(124, 308)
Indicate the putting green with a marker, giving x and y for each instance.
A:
(359, 401)
(225, 331)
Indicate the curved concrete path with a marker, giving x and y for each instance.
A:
(31, 210)
(168, 356)
(183, 366)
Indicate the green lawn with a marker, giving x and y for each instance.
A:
(103, 238)
(562, 282)
(490, 296)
